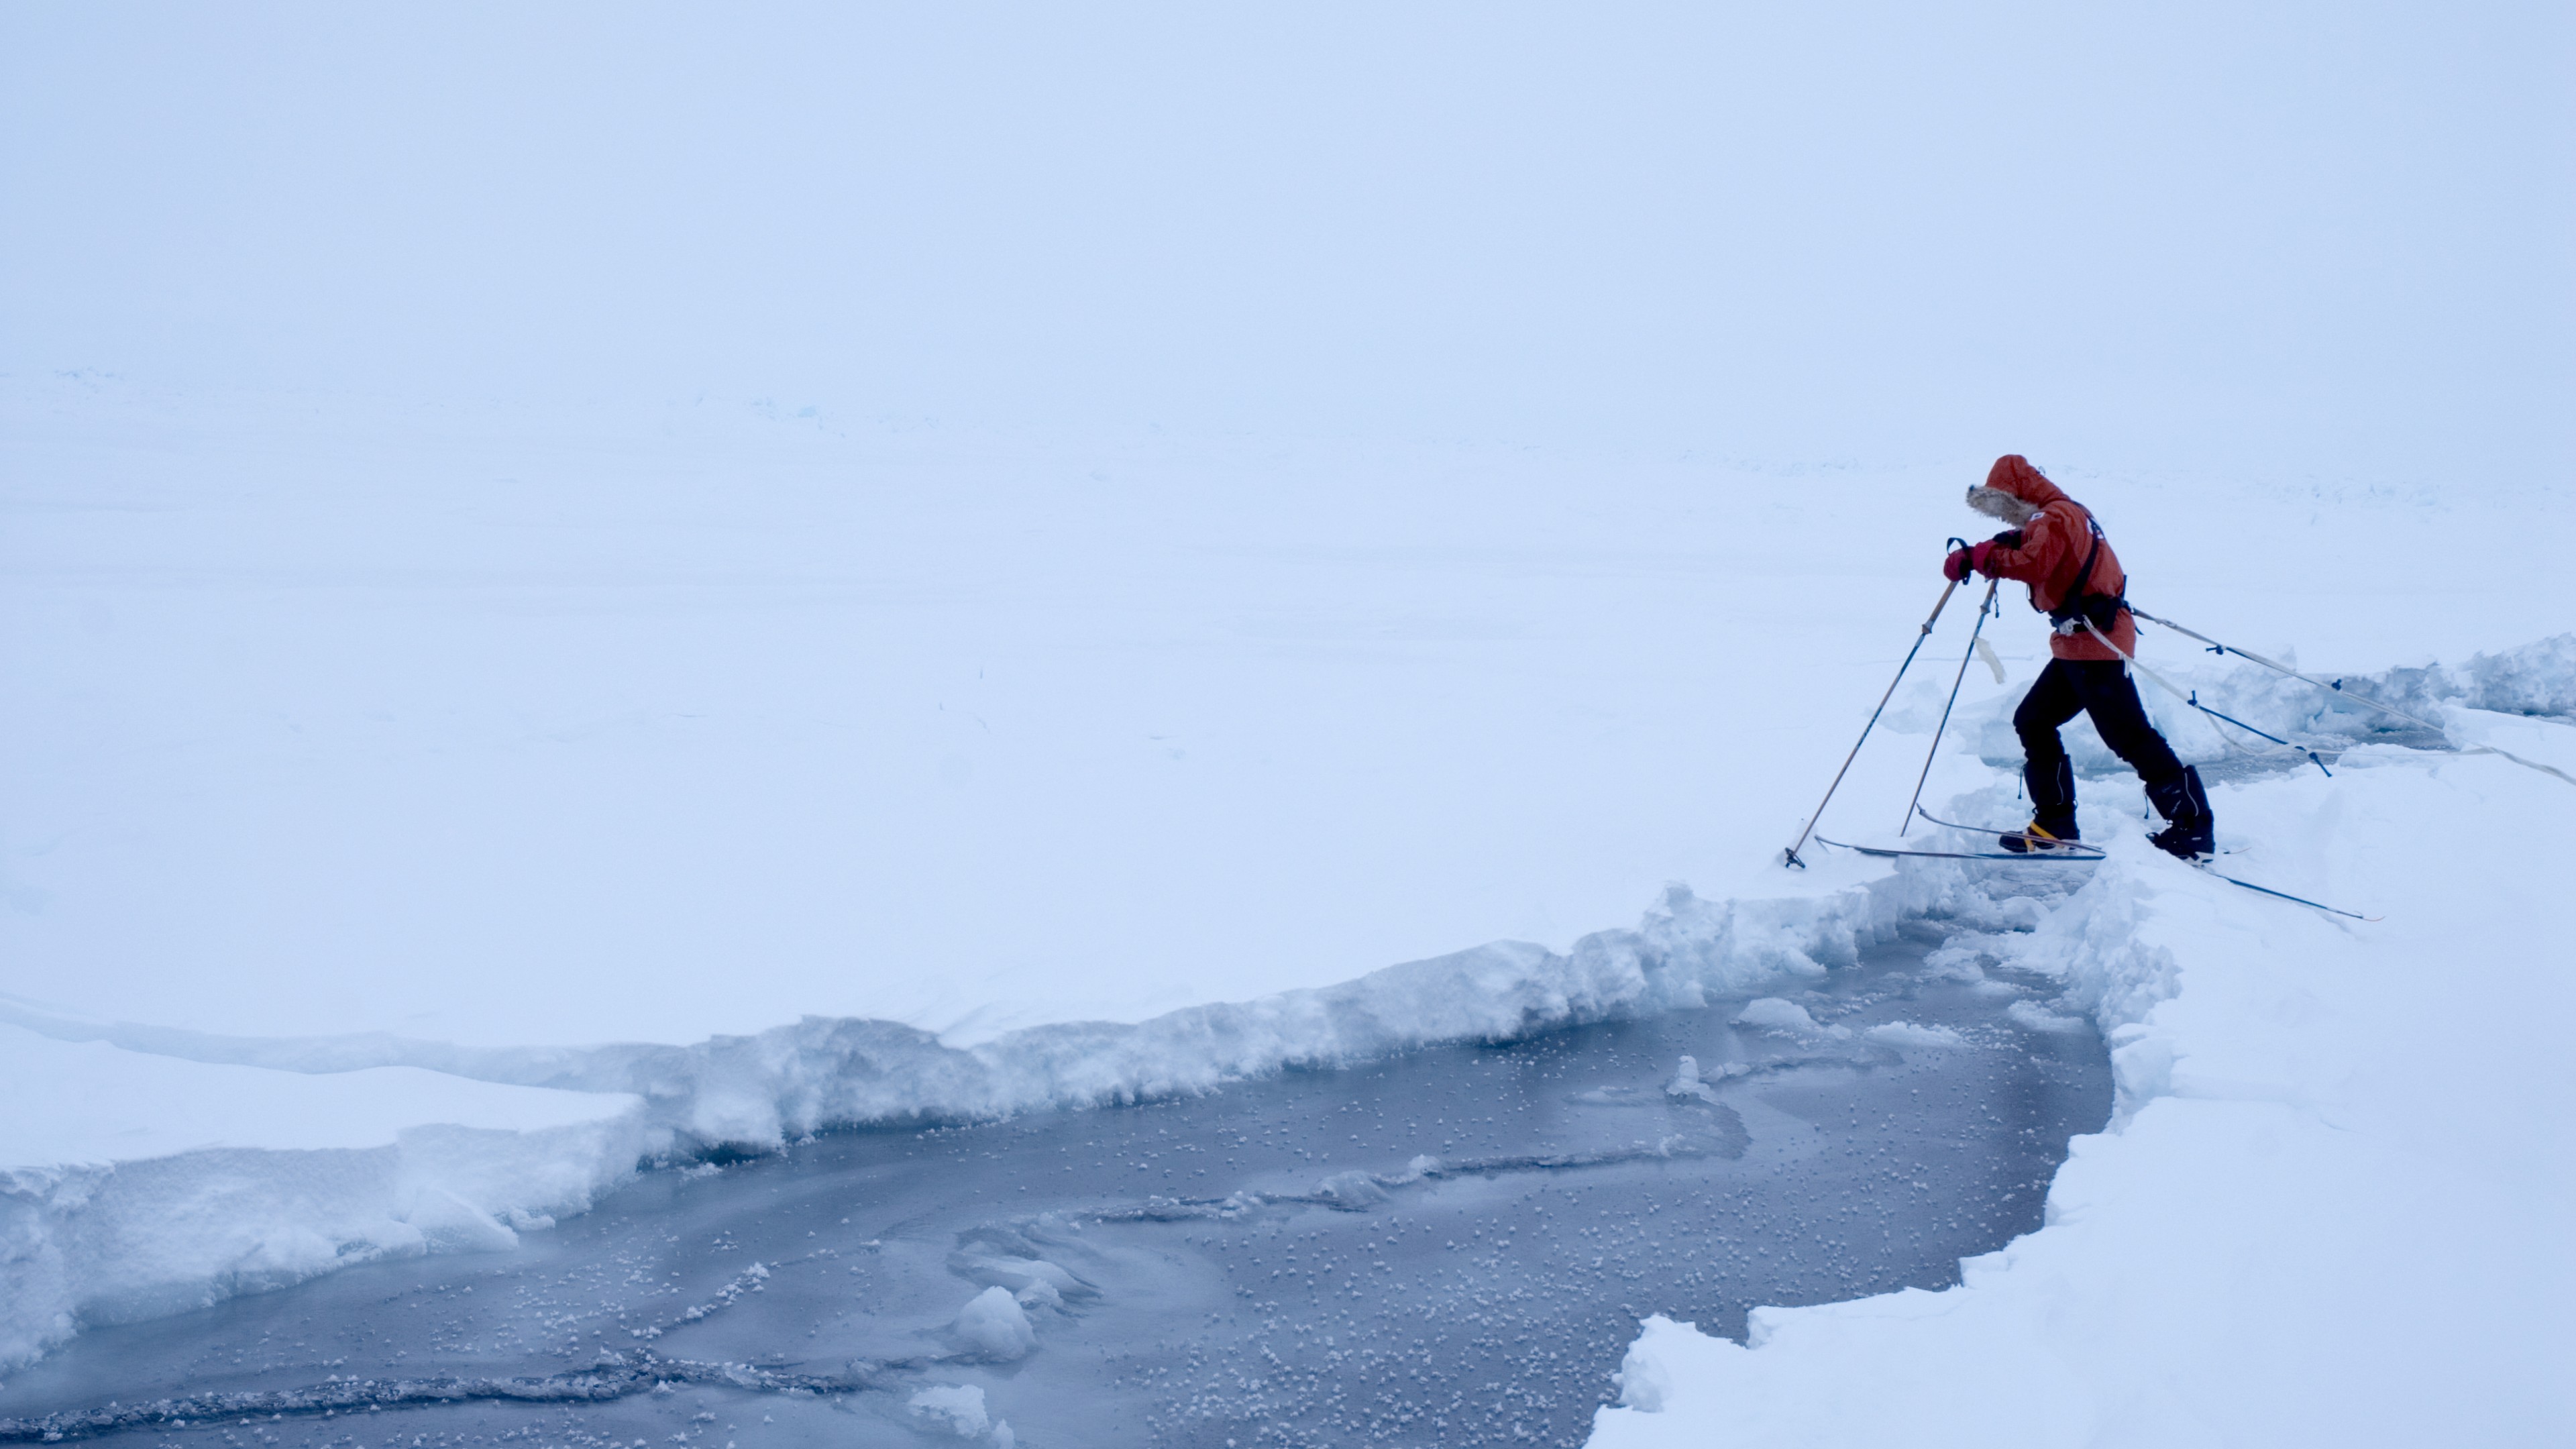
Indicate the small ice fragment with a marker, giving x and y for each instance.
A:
(1773, 1013)
(957, 1408)
(997, 1326)
(1643, 1382)
(1353, 1190)
(2039, 1019)
(1686, 1082)
(1914, 1034)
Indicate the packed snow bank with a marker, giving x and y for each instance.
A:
(2534, 683)
(2535, 679)
(2331, 1207)
(133, 1185)
(758, 1091)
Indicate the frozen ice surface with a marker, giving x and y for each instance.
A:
(100, 1245)
(1447, 1244)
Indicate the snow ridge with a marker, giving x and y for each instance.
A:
(87, 1244)
(737, 1093)
(102, 1243)
(2536, 680)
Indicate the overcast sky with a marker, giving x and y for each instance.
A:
(2140, 233)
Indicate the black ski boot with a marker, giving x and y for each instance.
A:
(2052, 809)
(2191, 832)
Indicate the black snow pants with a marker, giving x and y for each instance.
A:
(2100, 688)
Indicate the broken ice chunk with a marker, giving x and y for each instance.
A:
(959, 1409)
(995, 1325)
(1686, 1082)
(1775, 1013)
(1352, 1191)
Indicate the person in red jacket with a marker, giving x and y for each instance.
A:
(2052, 543)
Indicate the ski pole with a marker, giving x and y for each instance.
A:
(1790, 856)
(1983, 610)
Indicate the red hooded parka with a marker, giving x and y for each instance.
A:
(2053, 545)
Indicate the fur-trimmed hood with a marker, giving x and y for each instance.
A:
(2051, 543)
(2014, 490)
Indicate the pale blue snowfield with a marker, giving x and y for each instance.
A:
(645, 525)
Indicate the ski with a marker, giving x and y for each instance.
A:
(2203, 867)
(1882, 850)
(2094, 852)
(2045, 846)
(2084, 846)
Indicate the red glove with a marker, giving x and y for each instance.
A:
(1961, 561)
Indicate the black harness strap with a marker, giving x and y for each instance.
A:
(2081, 603)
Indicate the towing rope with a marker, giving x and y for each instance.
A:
(2334, 687)
(2193, 699)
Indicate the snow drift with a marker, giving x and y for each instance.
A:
(2328, 1207)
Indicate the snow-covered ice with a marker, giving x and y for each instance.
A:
(585, 589)
(106, 1104)
(605, 989)
(2331, 1208)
